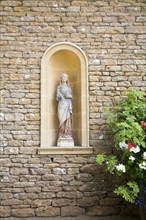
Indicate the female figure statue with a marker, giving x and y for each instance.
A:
(64, 98)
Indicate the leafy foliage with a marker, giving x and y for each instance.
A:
(128, 192)
(127, 120)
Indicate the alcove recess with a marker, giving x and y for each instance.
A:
(60, 58)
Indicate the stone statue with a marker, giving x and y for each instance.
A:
(64, 98)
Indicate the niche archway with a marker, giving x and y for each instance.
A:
(59, 58)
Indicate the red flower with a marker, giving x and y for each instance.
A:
(131, 145)
(143, 124)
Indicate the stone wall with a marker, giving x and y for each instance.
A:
(112, 35)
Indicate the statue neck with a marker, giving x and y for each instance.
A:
(64, 84)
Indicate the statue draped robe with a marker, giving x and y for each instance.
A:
(64, 98)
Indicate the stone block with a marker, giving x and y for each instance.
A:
(88, 201)
(91, 169)
(133, 30)
(69, 30)
(33, 189)
(18, 171)
(58, 171)
(110, 201)
(80, 3)
(14, 117)
(102, 210)
(90, 187)
(10, 179)
(47, 195)
(72, 211)
(12, 202)
(69, 195)
(11, 150)
(84, 177)
(6, 196)
(63, 202)
(73, 9)
(50, 177)
(22, 137)
(41, 203)
(27, 150)
(5, 211)
(32, 117)
(23, 184)
(107, 30)
(11, 54)
(23, 212)
(52, 189)
(48, 211)
(73, 171)
(15, 143)
(65, 142)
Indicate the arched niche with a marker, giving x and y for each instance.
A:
(59, 58)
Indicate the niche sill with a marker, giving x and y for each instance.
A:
(65, 150)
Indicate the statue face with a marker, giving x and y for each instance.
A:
(64, 78)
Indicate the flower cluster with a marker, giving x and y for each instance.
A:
(129, 146)
(143, 124)
(135, 149)
(127, 120)
(143, 165)
(144, 155)
(120, 167)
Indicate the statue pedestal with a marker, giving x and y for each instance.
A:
(65, 142)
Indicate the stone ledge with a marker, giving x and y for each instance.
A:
(76, 218)
(65, 150)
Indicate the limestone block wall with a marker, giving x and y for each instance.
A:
(112, 35)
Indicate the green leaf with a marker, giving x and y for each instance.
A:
(100, 158)
(129, 192)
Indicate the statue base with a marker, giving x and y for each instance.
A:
(65, 142)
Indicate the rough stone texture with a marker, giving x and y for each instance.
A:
(77, 218)
(112, 34)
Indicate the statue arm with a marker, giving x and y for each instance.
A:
(58, 95)
(68, 95)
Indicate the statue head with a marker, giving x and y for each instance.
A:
(64, 78)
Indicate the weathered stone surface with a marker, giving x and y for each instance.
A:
(50, 177)
(102, 210)
(88, 201)
(32, 117)
(23, 212)
(110, 201)
(48, 211)
(18, 171)
(59, 171)
(92, 169)
(5, 211)
(89, 187)
(5, 196)
(112, 35)
(11, 150)
(12, 202)
(72, 211)
(63, 202)
(66, 194)
(14, 116)
(84, 177)
(40, 203)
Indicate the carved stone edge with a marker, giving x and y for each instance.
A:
(65, 150)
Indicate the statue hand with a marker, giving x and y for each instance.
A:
(67, 96)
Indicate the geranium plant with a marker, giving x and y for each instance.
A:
(127, 120)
